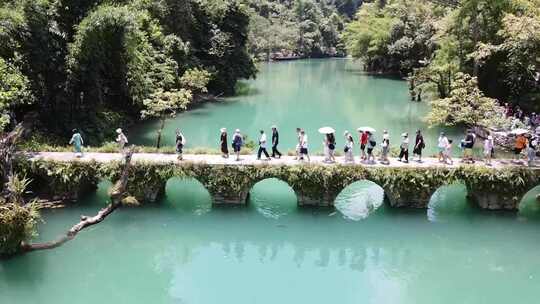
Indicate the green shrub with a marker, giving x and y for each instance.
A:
(17, 224)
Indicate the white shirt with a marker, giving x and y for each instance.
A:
(304, 141)
(443, 142)
(349, 143)
(386, 139)
(488, 145)
(122, 139)
(262, 141)
(405, 143)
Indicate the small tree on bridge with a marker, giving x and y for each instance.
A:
(165, 104)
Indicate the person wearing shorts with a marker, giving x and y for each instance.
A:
(468, 145)
(304, 145)
(237, 143)
(370, 146)
(363, 144)
(442, 144)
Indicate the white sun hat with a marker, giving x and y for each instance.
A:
(118, 130)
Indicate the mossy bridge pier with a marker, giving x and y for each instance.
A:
(61, 175)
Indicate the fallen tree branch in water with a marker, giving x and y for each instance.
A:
(118, 194)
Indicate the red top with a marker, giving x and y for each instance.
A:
(364, 138)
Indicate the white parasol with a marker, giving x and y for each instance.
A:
(326, 130)
(366, 129)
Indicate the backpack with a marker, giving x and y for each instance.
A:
(237, 141)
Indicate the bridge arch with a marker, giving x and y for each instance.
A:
(360, 198)
(448, 199)
(187, 193)
(272, 197)
(265, 182)
(529, 205)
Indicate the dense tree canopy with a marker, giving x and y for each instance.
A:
(394, 38)
(93, 63)
(495, 41)
(306, 28)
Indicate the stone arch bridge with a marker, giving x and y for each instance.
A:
(62, 176)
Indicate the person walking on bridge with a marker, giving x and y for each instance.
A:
(385, 148)
(304, 146)
(77, 142)
(519, 146)
(488, 150)
(363, 143)
(448, 153)
(275, 142)
(419, 145)
(262, 146)
(180, 143)
(299, 143)
(330, 143)
(404, 148)
(348, 149)
(442, 144)
(224, 143)
(531, 150)
(122, 140)
(468, 145)
(372, 143)
(237, 143)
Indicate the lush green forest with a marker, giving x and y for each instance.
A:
(305, 28)
(497, 42)
(99, 64)
(94, 64)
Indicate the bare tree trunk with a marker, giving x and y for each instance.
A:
(160, 131)
(475, 37)
(117, 196)
(72, 232)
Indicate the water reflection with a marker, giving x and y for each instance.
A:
(359, 199)
(187, 195)
(273, 198)
(158, 255)
(448, 201)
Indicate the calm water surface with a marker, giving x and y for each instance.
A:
(185, 251)
(309, 94)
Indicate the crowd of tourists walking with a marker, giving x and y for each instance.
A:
(525, 147)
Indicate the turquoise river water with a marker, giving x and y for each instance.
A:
(308, 94)
(183, 250)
